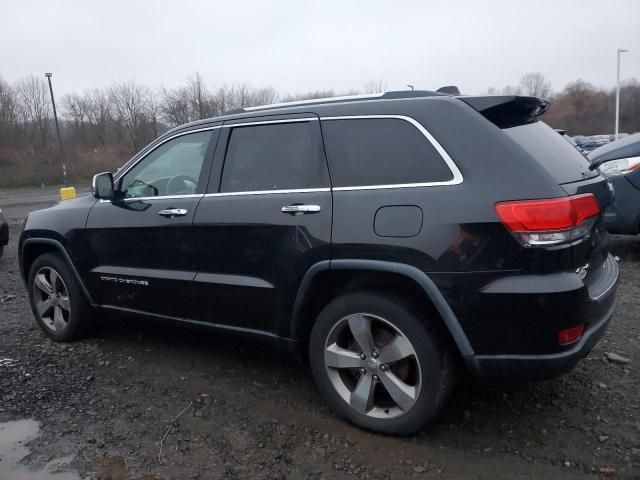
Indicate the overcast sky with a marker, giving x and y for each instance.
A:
(296, 46)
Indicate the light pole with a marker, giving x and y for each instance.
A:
(620, 50)
(55, 118)
(411, 87)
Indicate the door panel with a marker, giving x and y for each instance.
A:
(141, 247)
(142, 260)
(251, 255)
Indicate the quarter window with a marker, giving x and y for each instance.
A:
(174, 168)
(380, 151)
(273, 157)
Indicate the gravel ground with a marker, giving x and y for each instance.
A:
(149, 401)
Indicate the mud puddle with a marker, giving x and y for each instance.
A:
(13, 439)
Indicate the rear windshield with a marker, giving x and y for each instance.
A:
(562, 160)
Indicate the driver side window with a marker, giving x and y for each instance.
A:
(173, 168)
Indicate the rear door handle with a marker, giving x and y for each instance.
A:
(301, 209)
(173, 212)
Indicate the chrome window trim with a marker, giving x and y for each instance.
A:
(456, 180)
(268, 122)
(455, 171)
(268, 192)
(119, 175)
(159, 197)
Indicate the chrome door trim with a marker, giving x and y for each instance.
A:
(268, 192)
(455, 171)
(159, 197)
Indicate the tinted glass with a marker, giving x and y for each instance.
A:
(273, 157)
(173, 168)
(561, 159)
(380, 152)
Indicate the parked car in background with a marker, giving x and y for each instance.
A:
(567, 137)
(587, 144)
(4, 233)
(620, 162)
(388, 238)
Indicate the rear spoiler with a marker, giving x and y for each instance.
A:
(507, 111)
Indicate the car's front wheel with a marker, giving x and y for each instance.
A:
(379, 362)
(57, 302)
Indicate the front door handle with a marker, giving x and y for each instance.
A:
(301, 209)
(173, 212)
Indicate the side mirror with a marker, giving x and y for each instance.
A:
(102, 186)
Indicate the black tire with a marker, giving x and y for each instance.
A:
(79, 318)
(433, 360)
(1, 251)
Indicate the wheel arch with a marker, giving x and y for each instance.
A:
(326, 279)
(33, 248)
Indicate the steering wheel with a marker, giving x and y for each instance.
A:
(181, 185)
(137, 181)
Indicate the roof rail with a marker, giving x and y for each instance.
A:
(346, 98)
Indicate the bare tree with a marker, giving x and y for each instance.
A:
(153, 109)
(36, 107)
(199, 98)
(175, 106)
(375, 86)
(9, 122)
(185, 104)
(128, 100)
(581, 109)
(74, 108)
(535, 84)
(309, 95)
(264, 96)
(512, 90)
(629, 105)
(99, 114)
(240, 96)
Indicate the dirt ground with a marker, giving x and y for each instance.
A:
(105, 405)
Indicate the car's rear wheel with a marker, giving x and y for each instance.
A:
(57, 301)
(380, 363)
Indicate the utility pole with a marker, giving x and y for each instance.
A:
(55, 118)
(620, 50)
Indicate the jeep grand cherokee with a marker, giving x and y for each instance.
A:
(388, 238)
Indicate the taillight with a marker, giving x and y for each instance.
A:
(549, 221)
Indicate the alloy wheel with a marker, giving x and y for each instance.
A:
(373, 366)
(51, 299)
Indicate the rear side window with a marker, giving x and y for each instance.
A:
(561, 159)
(273, 157)
(380, 151)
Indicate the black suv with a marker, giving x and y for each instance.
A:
(389, 238)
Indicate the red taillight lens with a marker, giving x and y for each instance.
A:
(547, 215)
(570, 335)
(550, 221)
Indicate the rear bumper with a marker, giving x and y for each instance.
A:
(516, 368)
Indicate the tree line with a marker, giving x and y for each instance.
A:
(580, 108)
(102, 127)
